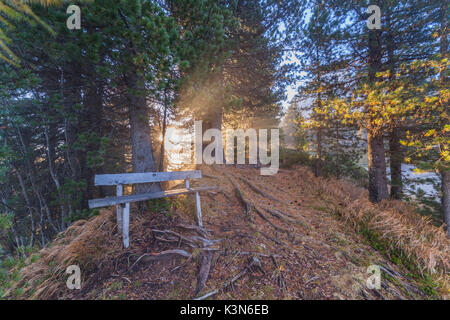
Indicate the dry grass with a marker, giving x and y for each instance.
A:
(84, 244)
(394, 222)
(309, 250)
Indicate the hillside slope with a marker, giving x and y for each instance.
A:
(287, 236)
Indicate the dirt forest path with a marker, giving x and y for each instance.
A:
(307, 252)
(264, 237)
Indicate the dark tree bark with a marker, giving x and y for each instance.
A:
(163, 139)
(141, 140)
(396, 158)
(91, 122)
(377, 162)
(445, 173)
(318, 162)
(445, 176)
(395, 148)
(214, 118)
(71, 94)
(162, 155)
(377, 169)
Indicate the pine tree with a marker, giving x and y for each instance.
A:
(324, 79)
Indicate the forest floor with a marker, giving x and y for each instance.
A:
(278, 237)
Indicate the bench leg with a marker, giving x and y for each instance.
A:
(119, 209)
(199, 209)
(126, 225)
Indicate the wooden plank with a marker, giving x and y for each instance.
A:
(119, 209)
(104, 202)
(144, 177)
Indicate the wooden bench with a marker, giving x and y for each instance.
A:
(123, 202)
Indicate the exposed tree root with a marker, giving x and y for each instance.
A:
(253, 266)
(211, 176)
(284, 214)
(194, 241)
(165, 255)
(258, 190)
(174, 236)
(203, 271)
(281, 281)
(225, 195)
(261, 214)
(247, 205)
(411, 290)
(201, 231)
(278, 215)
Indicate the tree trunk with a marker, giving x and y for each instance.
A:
(141, 140)
(443, 37)
(318, 162)
(395, 149)
(377, 165)
(396, 158)
(377, 169)
(92, 122)
(163, 138)
(214, 118)
(70, 84)
(28, 204)
(445, 175)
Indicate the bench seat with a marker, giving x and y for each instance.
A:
(122, 202)
(109, 201)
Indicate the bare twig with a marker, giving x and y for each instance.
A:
(209, 294)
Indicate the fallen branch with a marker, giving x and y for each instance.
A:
(206, 296)
(312, 279)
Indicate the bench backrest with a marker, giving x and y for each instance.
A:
(144, 177)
